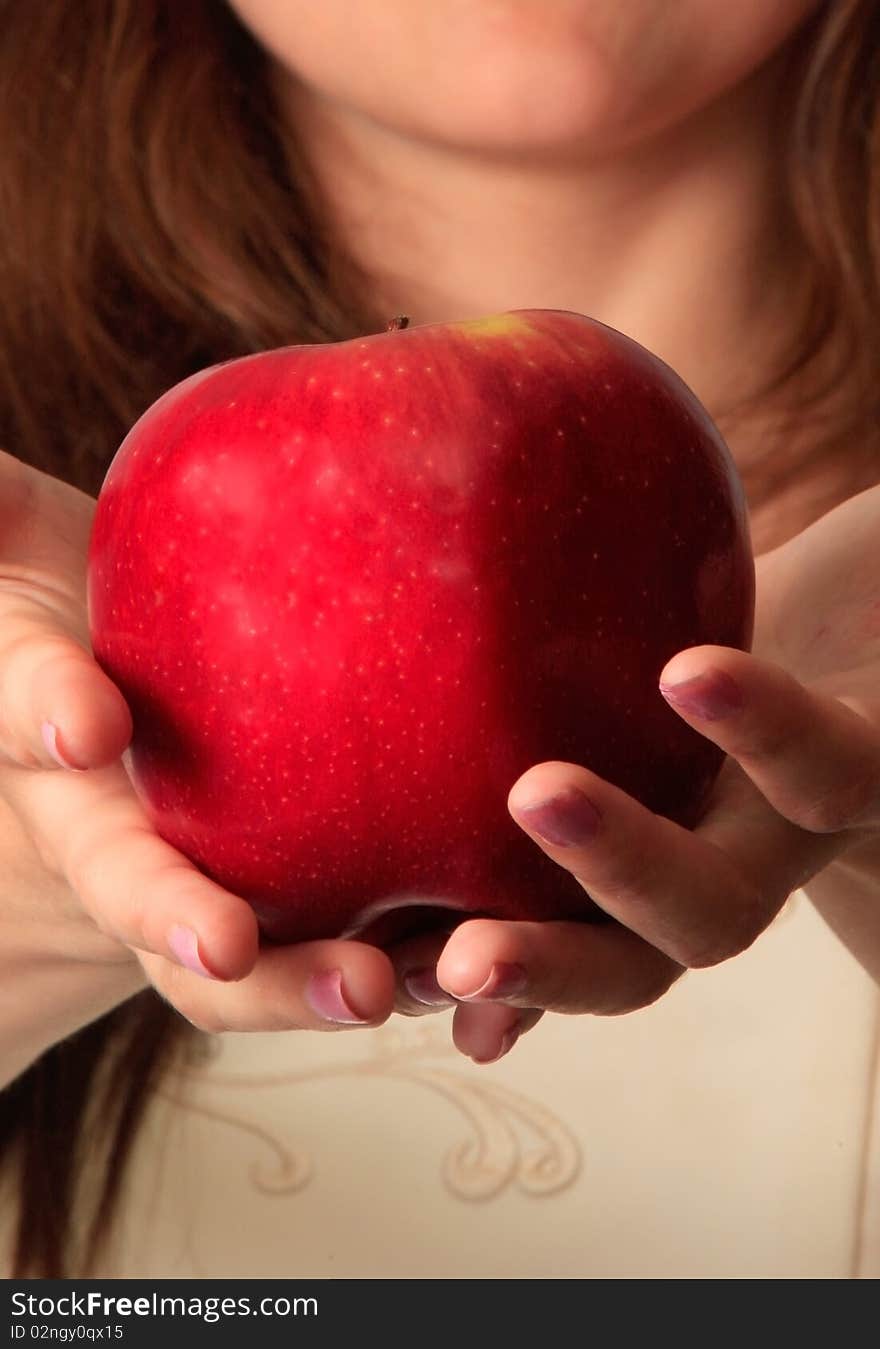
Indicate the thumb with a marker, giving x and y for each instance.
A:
(57, 707)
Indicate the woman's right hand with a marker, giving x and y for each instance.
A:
(115, 892)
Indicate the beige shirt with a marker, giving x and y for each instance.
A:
(730, 1131)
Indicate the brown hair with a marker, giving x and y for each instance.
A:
(830, 158)
(155, 220)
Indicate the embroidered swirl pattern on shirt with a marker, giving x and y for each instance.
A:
(512, 1140)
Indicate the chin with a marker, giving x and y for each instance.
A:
(525, 107)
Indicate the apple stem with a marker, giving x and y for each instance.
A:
(397, 323)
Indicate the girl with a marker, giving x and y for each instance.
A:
(185, 182)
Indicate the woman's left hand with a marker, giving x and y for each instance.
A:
(800, 721)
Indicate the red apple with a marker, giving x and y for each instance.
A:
(352, 591)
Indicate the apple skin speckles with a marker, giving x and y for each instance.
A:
(351, 592)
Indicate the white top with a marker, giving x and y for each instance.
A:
(727, 1132)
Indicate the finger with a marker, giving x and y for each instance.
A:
(59, 709)
(677, 890)
(488, 1031)
(415, 971)
(325, 985)
(815, 760)
(775, 855)
(601, 968)
(135, 887)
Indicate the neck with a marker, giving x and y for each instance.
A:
(680, 243)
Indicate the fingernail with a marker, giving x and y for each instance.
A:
(508, 1040)
(505, 980)
(709, 696)
(184, 946)
(325, 997)
(49, 733)
(422, 986)
(567, 820)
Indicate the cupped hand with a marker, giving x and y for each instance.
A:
(115, 892)
(798, 798)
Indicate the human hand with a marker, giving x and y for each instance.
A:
(798, 798)
(115, 893)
